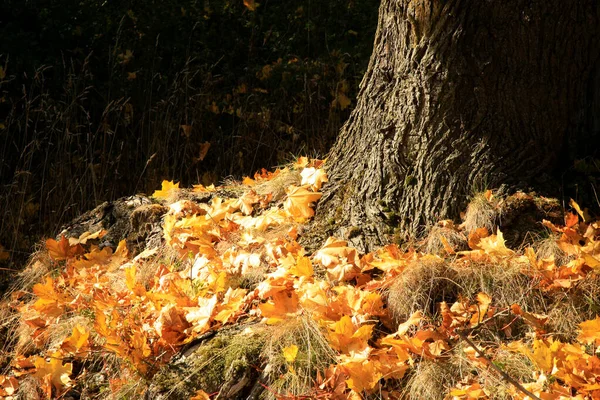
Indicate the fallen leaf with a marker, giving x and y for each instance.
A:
(298, 202)
(290, 352)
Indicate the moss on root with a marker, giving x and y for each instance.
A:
(220, 362)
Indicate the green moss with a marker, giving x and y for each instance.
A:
(206, 368)
(410, 180)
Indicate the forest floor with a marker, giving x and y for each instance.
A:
(207, 293)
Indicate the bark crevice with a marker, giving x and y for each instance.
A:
(458, 96)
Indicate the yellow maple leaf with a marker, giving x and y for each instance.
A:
(302, 162)
(77, 340)
(313, 177)
(53, 368)
(345, 337)
(582, 213)
(290, 352)
(201, 316)
(362, 374)
(50, 303)
(231, 306)
(413, 320)
(281, 305)
(298, 202)
(481, 309)
(167, 188)
(303, 267)
(494, 245)
(590, 332)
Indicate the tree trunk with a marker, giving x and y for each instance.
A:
(459, 96)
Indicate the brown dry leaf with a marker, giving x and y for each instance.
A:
(171, 324)
(84, 237)
(4, 255)
(204, 147)
(476, 236)
(186, 130)
(8, 385)
(535, 320)
(251, 5)
(62, 250)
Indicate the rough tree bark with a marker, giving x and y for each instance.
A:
(459, 95)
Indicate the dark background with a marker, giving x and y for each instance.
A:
(102, 99)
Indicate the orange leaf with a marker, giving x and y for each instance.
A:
(251, 5)
(535, 320)
(77, 340)
(167, 188)
(298, 202)
(57, 372)
(62, 250)
(571, 219)
(475, 236)
(590, 331)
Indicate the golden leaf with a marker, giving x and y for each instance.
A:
(313, 177)
(290, 353)
(590, 332)
(298, 202)
(77, 340)
(54, 368)
(167, 188)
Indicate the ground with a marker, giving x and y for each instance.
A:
(207, 292)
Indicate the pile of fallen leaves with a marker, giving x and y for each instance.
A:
(116, 308)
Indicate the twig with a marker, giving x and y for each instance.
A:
(505, 376)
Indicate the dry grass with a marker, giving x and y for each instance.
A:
(567, 309)
(454, 238)
(314, 354)
(279, 184)
(548, 248)
(422, 285)
(481, 213)
(432, 379)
